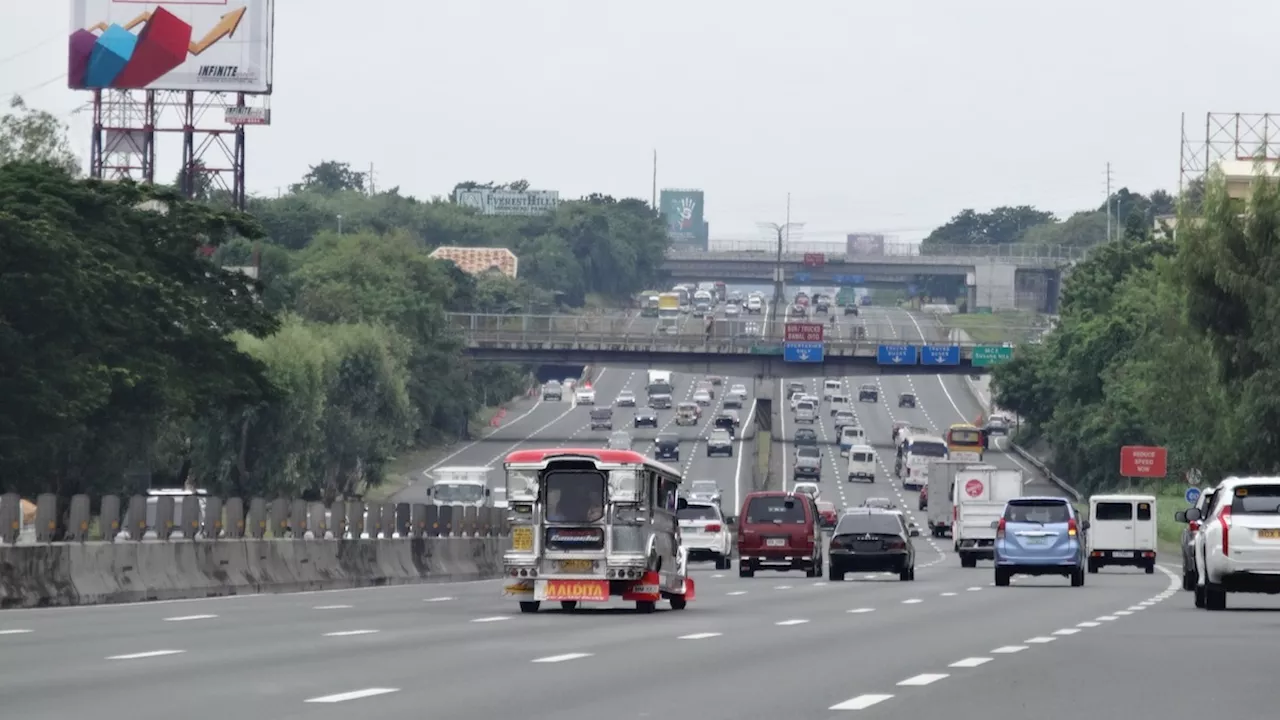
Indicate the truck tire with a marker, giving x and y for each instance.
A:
(968, 560)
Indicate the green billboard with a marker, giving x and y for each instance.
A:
(683, 211)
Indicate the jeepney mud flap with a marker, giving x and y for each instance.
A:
(646, 588)
(688, 592)
(522, 589)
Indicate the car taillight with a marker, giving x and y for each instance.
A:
(1000, 530)
(1071, 527)
(1224, 518)
(1193, 526)
(713, 528)
(895, 544)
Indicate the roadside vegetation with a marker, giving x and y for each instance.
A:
(133, 353)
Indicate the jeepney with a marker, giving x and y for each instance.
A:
(588, 525)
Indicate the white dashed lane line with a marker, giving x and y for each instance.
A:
(699, 636)
(562, 658)
(350, 633)
(332, 607)
(145, 655)
(186, 618)
(352, 695)
(14, 631)
(924, 679)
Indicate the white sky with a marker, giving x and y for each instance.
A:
(884, 115)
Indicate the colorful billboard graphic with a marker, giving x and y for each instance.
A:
(684, 213)
(864, 244)
(208, 45)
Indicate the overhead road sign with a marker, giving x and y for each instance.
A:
(802, 277)
(804, 332)
(1192, 495)
(1143, 461)
(897, 354)
(940, 355)
(985, 355)
(803, 352)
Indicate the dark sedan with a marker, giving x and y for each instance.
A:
(872, 540)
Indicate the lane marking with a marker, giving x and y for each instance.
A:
(973, 589)
(14, 632)
(1066, 631)
(862, 610)
(349, 633)
(1088, 624)
(184, 618)
(791, 622)
(495, 618)
(924, 679)
(437, 599)
(332, 607)
(912, 601)
(1040, 639)
(149, 654)
(1106, 618)
(1124, 612)
(819, 584)
(718, 575)
(737, 592)
(1135, 608)
(782, 587)
(1009, 649)
(699, 636)
(948, 594)
(562, 658)
(862, 702)
(353, 695)
(972, 662)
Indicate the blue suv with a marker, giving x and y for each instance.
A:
(1040, 536)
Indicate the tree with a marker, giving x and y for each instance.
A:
(331, 177)
(30, 135)
(1001, 226)
(107, 339)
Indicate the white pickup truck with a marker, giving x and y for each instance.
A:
(979, 496)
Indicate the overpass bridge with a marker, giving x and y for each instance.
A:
(746, 347)
(990, 270)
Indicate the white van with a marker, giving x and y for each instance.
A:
(839, 402)
(862, 462)
(1122, 531)
(851, 435)
(830, 388)
(806, 412)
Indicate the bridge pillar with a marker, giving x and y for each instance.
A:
(994, 284)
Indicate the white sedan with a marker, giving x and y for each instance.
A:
(702, 397)
(586, 396)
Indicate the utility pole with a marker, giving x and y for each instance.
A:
(653, 199)
(372, 191)
(1108, 201)
(783, 234)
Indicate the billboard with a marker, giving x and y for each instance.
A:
(683, 211)
(864, 244)
(206, 45)
(488, 201)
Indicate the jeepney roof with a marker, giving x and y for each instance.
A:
(609, 457)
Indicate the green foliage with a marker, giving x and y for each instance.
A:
(1163, 343)
(1001, 226)
(35, 136)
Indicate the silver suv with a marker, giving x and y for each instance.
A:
(552, 391)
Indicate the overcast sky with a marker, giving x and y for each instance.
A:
(875, 115)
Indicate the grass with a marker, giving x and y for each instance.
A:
(993, 328)
(764, 440)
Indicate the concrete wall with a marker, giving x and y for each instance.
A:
(100, 572)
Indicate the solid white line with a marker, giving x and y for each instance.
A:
(737, 474)
(1106, 618)
(857, 611)
(150, 654)
(184, 618)
(698, 636)
(1066, 631)
(912, 601)
(925, 679)
(1088, 624)
(495, 618)
(349, 633)
(14, 632)
(1040, 639)
(1009, 649)
(332, 607)
(437, 599)
(353, 695)
(862, 702)
(970, 662)
(791, 622)
(562, 658)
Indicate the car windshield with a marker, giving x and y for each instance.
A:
(574, 496)
(1036, 511)
(704, 486)
(720, 435)
(626, 394)
(869, 524)
(808, 451)
(870, 388)
(1256, 500)
(783, 510)
(877, 503)
(698, 512)
(804, 405)
(860, 457)
(668, 439)
(928, 449)
(456, 493)
(826, 506)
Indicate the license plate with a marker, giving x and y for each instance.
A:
(1125, 554)
(1269, 534)
(522, 539)
(777, 542)
(577, 565)
(1037, 540)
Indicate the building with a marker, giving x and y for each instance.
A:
(479, 260)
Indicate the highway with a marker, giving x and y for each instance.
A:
(776, 645)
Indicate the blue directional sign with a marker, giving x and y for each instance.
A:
(1193, 494)
(803, 352)
(801, 277)
(940, 355)
(896, 354)
(849, 279)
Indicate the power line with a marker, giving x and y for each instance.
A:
(33, 48)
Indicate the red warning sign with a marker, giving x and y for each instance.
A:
(1143, 461)
(973, 488)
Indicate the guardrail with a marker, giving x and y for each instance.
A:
(202, 517)
(740, 335)
(902, 252)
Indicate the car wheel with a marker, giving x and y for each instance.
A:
(746, 572)
(904, 574)
(1093, 566)
(530, 606)
(1199, 591)
(1151, 568)
(1002, 577)
(1077, 577)
(1188, 580)
(1215, 598)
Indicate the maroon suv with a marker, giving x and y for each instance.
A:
(779, 531)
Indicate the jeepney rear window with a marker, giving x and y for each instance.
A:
(574, 496)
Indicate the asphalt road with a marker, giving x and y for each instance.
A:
(777, 645)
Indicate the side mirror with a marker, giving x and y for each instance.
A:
(429, 491)
(1180, 516)
(1194, 514)
(730, 520)
(915, 532)
(995, 524)
(1085, 524)
(681, 504)
(487, 492)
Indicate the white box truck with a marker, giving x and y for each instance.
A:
(459, 486)
(942, 475)
(979, 496)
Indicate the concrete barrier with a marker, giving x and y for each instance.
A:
(99, 572)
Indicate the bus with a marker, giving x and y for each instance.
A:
(966, 442)
(588, 525)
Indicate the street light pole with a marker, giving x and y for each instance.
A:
(782, 232)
